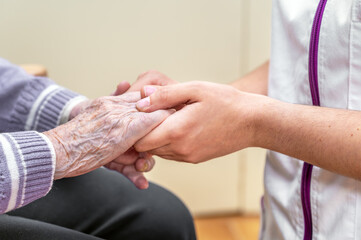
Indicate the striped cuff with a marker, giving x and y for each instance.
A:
(27, 165)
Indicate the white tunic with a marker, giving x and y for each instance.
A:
(335, 199)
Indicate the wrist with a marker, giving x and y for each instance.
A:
(263, 121)
(78, 108)
(268, 124)
(60, 152)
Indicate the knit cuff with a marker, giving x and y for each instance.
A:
(26, 168)
(43, 106)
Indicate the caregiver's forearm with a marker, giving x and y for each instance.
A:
(255, 81)
(328, 138)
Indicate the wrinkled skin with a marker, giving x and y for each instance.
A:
(101, 134)
(143, 162)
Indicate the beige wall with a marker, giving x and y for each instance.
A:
(91, 45)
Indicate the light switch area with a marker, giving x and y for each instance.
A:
(89, 46)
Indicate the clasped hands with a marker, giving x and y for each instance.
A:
(191, 122)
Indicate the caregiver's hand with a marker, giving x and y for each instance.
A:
(216, 120)
(101, 133)
(151, 77)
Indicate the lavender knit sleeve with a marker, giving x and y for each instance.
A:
(27, 162)
(32, 103)
(28, 105)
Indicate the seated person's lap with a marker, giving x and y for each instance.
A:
(103, 204)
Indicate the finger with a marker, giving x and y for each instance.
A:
(143, 79)
(145, 155)
(162, 151)
(130, 97)
(115, 166)
(168, 96)
(148, 90)
(129, 157)
(167, 152)
(144, 165)
(129, 171)
(135, 177)
(173, 157)
(151, 77)
(157, 138)
(121, 88)
(143, 123)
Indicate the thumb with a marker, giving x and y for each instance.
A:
(144, 123)
(122, 87)
(167, 97)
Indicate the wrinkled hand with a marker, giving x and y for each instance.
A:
(122, 87)
(104, 131)
(215, 120)
(142, 162)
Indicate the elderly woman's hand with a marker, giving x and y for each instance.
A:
(105, 130)
(142, 162)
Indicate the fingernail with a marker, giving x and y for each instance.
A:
(149, 90)
(145, 102)
(145, 167)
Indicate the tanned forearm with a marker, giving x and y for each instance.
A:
(325, 137)
(328, 138)
(255, 81)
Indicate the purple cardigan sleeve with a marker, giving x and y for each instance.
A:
(28, 105)
(31, 103)
(27, 162)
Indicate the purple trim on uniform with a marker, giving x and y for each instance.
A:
(5, 181)
(306, 200)
(20, 168)
(313, 79)
(313, 55)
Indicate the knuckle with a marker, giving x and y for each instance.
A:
(153, 71)
(139, 147)
(184, 150)
(97, 102)
(191, 158)
(142, 75)
(197, 85)
(176, 134)
(147, 74)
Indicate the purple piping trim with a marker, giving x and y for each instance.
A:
(313, 78)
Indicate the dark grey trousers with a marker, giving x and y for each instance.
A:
(100, 205)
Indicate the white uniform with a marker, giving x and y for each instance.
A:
(335, 200)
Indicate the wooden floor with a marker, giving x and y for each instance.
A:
(227, 228)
